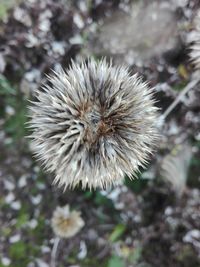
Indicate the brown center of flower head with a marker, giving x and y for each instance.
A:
(97, 124)
(64, 222)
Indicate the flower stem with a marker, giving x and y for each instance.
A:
(54, 252)
(187, 88)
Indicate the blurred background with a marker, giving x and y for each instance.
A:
(153, 221)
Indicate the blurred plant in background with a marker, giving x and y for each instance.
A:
(65, 223)
(175, 165)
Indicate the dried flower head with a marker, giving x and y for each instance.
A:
(175, 165)
(65, 223)
(195, 40)
(93, 124)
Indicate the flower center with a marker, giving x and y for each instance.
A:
(98, 126)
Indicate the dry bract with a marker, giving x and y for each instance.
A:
(92, 124)
(195, 40)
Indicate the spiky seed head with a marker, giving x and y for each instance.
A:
(195, 40)
(92, 124)
(66, 223)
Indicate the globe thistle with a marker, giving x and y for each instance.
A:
(93, 124)
(195, 40)
(66, 224)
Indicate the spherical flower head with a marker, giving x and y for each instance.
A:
(93, 124)
(66, 224)
(195, 40)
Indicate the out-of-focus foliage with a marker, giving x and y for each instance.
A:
(14, 110)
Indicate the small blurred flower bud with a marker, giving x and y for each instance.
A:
(66, 224)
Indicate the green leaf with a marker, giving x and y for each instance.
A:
(6, 231)
(6, 5)
(117, 232)
(136, 255)
(116, 261)
(88, 194)
(136, 185)
(22, 219)
(102, 200)
(3, 11)
(5, 87)
(18, 250)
